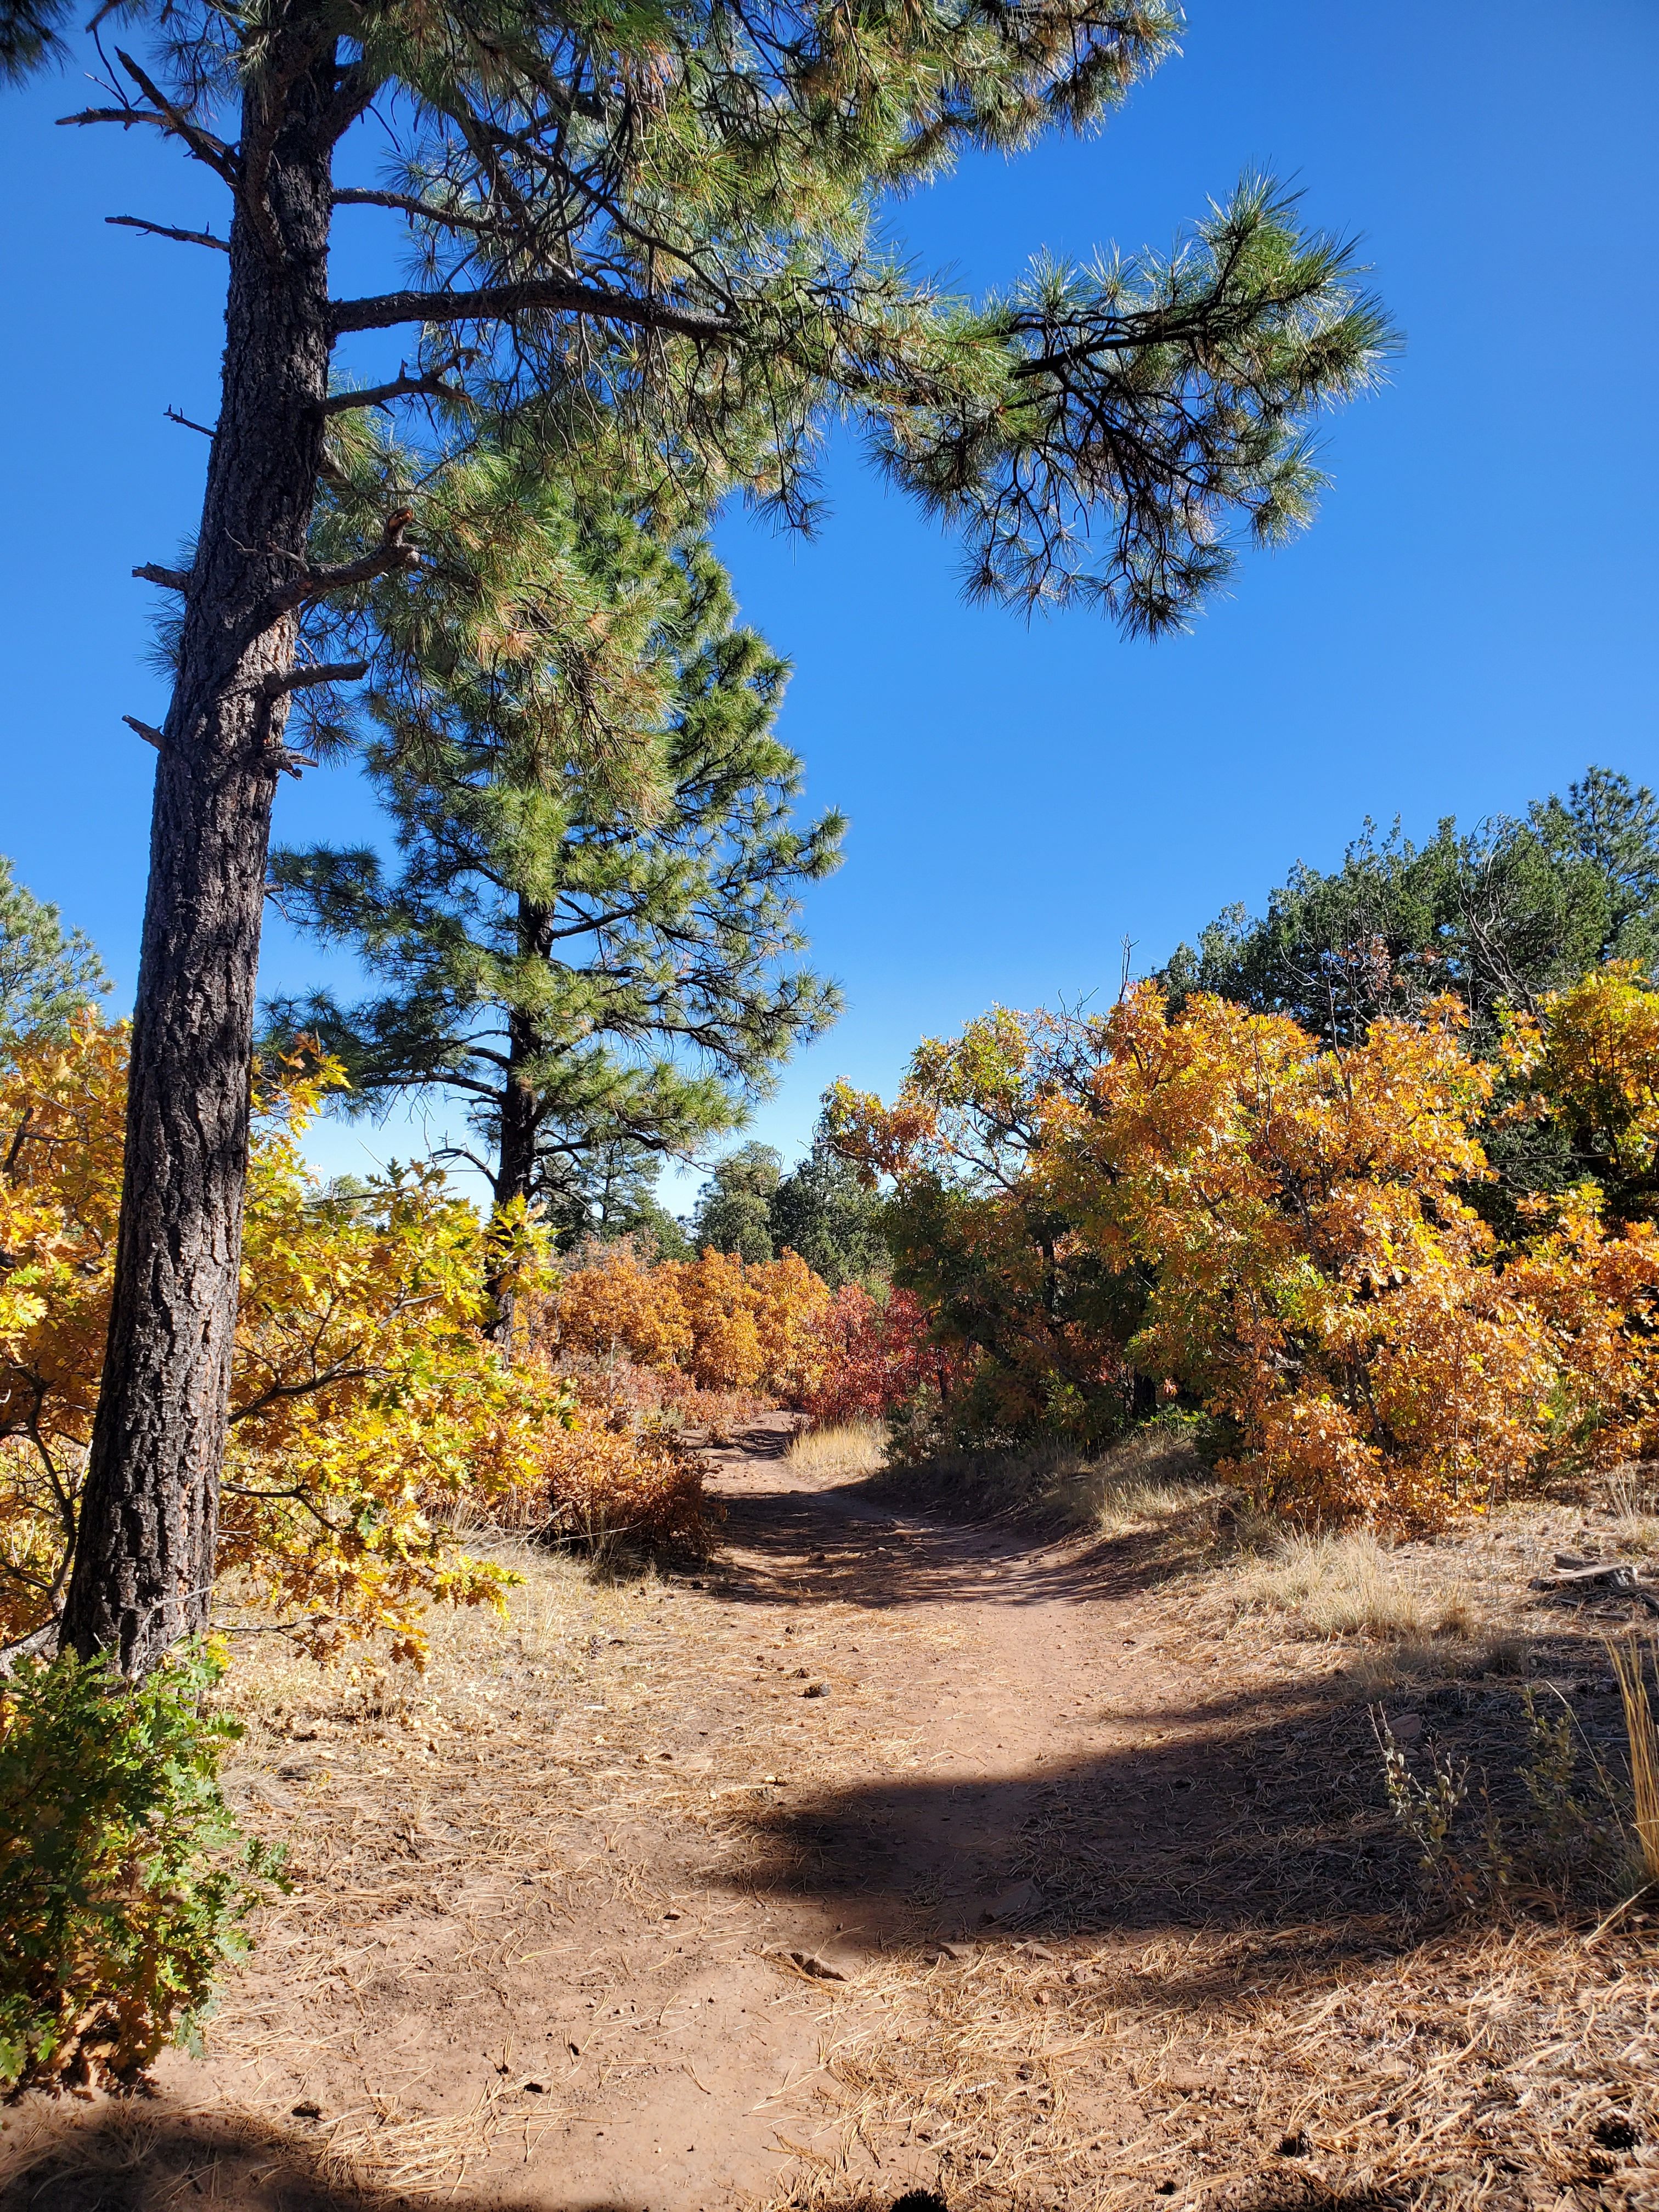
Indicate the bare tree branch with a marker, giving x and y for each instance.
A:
(316, 583)
(202, 144)
(166, 230)
(306, 679)
(556, 295)
(409, 203)
(147, 730)
(172, 580)
(401, 387)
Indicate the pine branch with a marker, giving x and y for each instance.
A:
(422, 210)
(551, 294)
(391, 554)
(401, 387)
(172, 580)
(147, 730)
(166, 230)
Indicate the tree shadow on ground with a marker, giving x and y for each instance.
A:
(850, 1542)
(1265, 1813)
(140, 2154)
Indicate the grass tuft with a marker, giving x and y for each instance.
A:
(846, 1451)
(1350, 1585)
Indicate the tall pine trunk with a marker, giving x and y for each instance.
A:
(144, 1559)
(520, 1122)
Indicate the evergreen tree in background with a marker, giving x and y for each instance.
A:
(46, 975)
(819, 1210)
(587, 936)
(670, 216)
(735, 1210)
(822, 1210)
(1498, 914)
(611, 1194)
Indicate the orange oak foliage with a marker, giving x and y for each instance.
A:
(726, 1325)
(1317, 1278)
(1285, 1233)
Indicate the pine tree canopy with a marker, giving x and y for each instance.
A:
(589, 930)
(676, 214)
(1499, 915)
(48, 975)
(819, 1210)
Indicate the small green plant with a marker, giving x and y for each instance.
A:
(1425, 1810)
(1565, 1842)
(124, 1879)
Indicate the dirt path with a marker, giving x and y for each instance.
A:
(887, 1852)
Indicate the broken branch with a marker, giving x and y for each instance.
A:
(307, 679)
(400, 387)
(165, 230)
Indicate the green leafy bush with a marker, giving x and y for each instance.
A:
(123, 1876)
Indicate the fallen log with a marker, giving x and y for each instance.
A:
(1597, 1578)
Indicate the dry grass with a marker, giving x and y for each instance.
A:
(1152, 1483)
(840, 1454)
(1351, 1585)
(1497, 2071)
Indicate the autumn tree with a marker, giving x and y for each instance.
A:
(676, 215)
(588, 937)
(1037, 1322)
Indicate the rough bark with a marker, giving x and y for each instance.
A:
(143, 1568)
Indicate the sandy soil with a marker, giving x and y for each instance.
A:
(886, 1852)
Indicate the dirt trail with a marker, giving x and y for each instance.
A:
(618, 1921)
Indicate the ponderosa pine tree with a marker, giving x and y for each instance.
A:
(668, 213)
(588, 934)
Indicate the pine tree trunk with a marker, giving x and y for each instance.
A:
(520, 1124)
(144, 1560)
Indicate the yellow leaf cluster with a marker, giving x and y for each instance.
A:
(364, 1398)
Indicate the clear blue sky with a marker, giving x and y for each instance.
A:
(1469, 622)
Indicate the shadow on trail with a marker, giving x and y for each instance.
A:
(1278, 1825)
(140, 2154)
(852, 1543)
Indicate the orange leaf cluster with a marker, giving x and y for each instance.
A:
(725, 1324)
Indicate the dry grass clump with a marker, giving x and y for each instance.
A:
(1150, 1482)
(1350, 1585)
(1152, 1478)
(1632, 1502)
(840, 1453)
